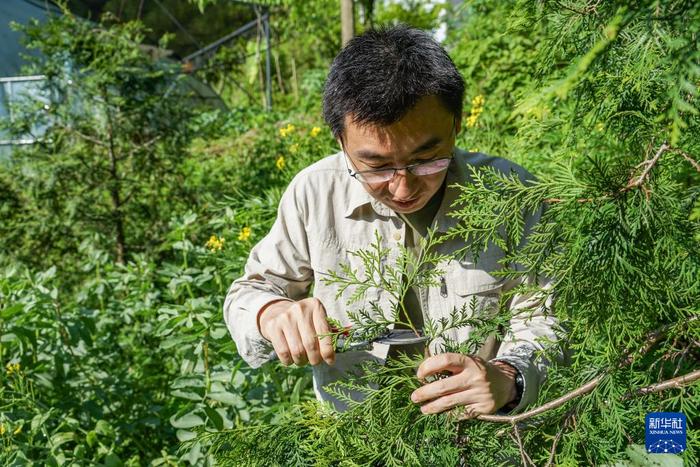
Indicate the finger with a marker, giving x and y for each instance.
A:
(296, 346)
(473, 410)
(279, 343)
(468, 412)
(309, 340)
(440, 388)
(447, 402)
(322, 327)
(450, 362)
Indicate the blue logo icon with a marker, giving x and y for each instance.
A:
(665, 432)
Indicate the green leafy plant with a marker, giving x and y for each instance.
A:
(118, 361)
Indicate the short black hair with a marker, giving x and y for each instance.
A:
(382, 74)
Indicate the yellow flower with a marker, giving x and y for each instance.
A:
(244, 234)
(294, 148)
(287, 130)
(18, 430)
(600, 127)
(2, 429)
(280, 162)
(471, 120)
(12, 368)
(315, 131)
(477, 108)
(215, 243)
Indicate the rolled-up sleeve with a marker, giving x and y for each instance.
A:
(532, 341)
(278, 268)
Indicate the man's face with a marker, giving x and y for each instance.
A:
(425, 133)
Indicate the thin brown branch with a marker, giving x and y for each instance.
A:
(672, 383)
(553, 450)
(88, 138)
(144, 145)
(685, 156)
(640, 180)
(561, 200)
(566, 7)
(115, 188)
(648, 165)
(651, 339)
(593, 8)
(585, 389)
(523, 455)
(683, 354)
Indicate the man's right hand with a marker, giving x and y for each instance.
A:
(293, 329)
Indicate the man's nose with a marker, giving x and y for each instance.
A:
(400, 185)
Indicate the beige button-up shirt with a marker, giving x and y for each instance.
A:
(323, 215)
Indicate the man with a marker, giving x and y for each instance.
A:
(393, 100)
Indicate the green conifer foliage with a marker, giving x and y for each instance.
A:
(602, 101)
(111, 153)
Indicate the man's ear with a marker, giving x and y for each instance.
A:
(458, 126)
(339, 140)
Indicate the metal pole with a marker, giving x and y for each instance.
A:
(214, 46)
(268, 80)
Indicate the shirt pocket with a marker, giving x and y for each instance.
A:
(336, 302)
(467, 291)
(476, 289)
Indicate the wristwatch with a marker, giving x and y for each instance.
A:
(519, 385)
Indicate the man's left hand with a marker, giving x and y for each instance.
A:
(481, 387)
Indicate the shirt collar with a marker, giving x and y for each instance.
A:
(457, 173)
(359, 197)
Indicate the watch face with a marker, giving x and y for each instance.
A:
(519, 380)
(519, 383)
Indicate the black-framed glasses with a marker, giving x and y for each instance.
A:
(430, 167)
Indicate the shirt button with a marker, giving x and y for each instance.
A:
(397, 236)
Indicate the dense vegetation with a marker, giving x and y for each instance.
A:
(123, 227)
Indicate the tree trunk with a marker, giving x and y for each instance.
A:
(115, 194)
(347, 21)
